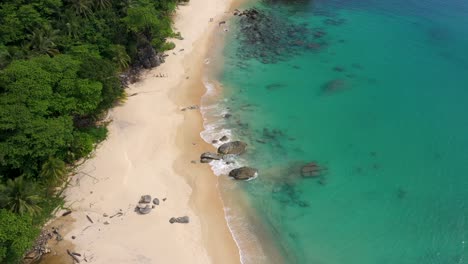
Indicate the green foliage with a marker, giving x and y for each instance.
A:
(142, 18)
(20, 196)
(17, 234)
(60, 62)
(53, 170)
(40, 98)
(168, 46)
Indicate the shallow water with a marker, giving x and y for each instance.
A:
(382, 104)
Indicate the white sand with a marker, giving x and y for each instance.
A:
(139, 157)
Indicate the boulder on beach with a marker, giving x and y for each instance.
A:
(234, 147)
(183, 219)
(156, 201)
(243, 173)
(145, 199)
(143, 208)
(180, 220)
(224, 138)
(207, 157)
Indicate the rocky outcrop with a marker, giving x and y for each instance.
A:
(243, 173)
(234, 147)
(268, 37)
(207, 157)
(147, 57)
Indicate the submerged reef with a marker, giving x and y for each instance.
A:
(269, 37)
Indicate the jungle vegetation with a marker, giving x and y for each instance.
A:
(61, 69)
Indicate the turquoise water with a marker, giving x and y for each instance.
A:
(393, 135)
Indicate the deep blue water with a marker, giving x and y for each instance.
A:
(391, 126)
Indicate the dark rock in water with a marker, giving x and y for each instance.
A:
(312, 170)
(227, 116)
(272, 134)
(214, 141)
(224, 138)
(401, 193)
(322, 180)
(156, 201)
(243, 173)
(319, 33)
(269, 37)
(334, 86)
(145, 199)
(334, 21)
(180, 220)
(207, 157)
(275, 86)
(338, 69)
(234, 147)
(313, 46)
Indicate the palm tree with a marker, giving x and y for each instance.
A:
(124, 5)
(53, 170)
(102, 4)
(70, 23)
(82, 7)
(42, 41)
(20, 196)
(120, 56)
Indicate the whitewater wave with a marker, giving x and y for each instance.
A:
(214, 110)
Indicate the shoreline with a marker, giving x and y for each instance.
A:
(149, 151)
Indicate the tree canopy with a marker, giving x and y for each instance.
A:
(60, 63)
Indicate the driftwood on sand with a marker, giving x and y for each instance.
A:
(75, 258)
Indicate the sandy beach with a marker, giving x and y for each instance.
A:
(149, 150)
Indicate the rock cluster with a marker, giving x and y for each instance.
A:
(144, 206)
(227, 151)
(270, 37)
(180, 220)
(40, 247)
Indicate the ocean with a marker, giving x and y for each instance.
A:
(375, 93)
